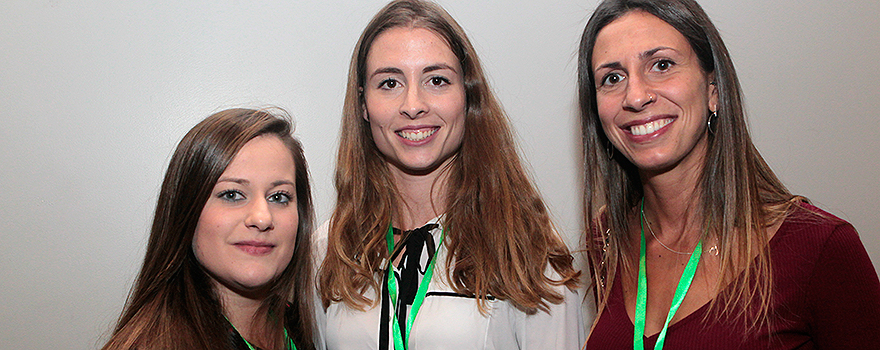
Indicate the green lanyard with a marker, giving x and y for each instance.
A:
(399, 342)
(290, 344)
(642, 295)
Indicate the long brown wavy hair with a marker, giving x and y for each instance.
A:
(740, 196)
(173, 304)
(500, 236)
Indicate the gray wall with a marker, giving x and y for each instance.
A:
(95, 94)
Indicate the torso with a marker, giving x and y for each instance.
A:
(448, 320)
(800, 250)
(664, 270)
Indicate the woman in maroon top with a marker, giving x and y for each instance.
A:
(695, 243)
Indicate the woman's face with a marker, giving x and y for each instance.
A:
(652, 95)
(247, 231)
(415, 100)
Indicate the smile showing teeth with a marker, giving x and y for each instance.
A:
(417, 135)
(649, 127)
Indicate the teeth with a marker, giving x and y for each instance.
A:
(648, 128)
(417, 135)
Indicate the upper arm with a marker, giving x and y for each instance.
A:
(844, 293)
(562, 327)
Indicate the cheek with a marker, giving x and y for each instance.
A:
(286, 223)
(453, 111)
(377, 110)
(288, 233)
(209, 231)
(691, 94)
(291, 227)
(452, 107)
(702, 98)
(376, 118)
(607, 111)
(456, 115)
(202, 247)
(379, 121)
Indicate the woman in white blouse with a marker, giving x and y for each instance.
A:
(439, 239)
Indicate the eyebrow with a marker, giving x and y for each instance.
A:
(438, 66)
(234, 179)
(612, 65)
(653, 51)
(386, 70)
(428, 69)
(283, 182)
(244, 182)
(643, 55)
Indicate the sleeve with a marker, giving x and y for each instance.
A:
(319, 251)
(562, 328)
(844, 294)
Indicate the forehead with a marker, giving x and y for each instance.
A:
(264, 155)
(635, 33)
(409, 46)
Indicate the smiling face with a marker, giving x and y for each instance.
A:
(415, 99)
(653, 97)
(247, 231)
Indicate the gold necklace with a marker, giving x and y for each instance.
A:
(713, 250)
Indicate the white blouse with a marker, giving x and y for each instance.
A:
(447, 320)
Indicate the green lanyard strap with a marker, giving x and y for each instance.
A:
(684, 283)
(290, 344)
(399, 342)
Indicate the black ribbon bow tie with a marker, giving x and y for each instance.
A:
(415, 242)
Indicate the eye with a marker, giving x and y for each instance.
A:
(388, 84)
(438, 81)
(611, 79)
(662, 65)
(231, 196)
(280, 197)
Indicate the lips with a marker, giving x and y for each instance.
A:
(417, 134)
(646, 128)
(255, 247)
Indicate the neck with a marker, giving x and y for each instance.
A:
(423, 196)
(241, 311)
(673, 206)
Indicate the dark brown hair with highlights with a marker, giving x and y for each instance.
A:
(741, 196)
(173, 304)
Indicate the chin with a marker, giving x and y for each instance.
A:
(418, 166)
(653, 164)
(257, 280)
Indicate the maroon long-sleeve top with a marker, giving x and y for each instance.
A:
(826, 295)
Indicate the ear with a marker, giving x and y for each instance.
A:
(712, 92)
(362, 98)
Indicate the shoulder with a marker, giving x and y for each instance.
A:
(813, 225)
(319, 243)
(802, 238)
(827, 264)
(835, 236)
(811, 240)
(321, 233)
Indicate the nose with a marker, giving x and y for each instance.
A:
(413, 104)
(259, 216)
(638, 94)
